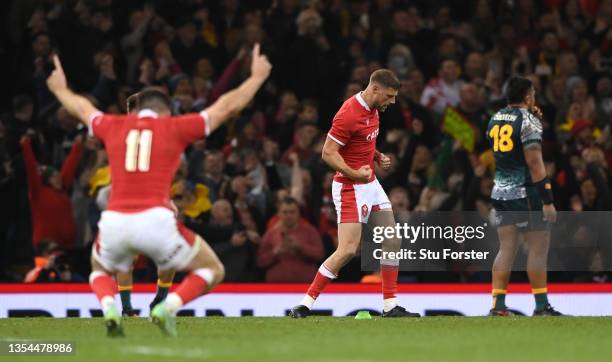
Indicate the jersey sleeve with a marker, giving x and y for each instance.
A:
(100, 124)
(192, 126)
(531, 130)
(341, 129)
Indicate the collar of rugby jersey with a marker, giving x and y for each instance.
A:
(362, 101)
(147, 113)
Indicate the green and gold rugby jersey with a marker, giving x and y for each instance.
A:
(509, 131)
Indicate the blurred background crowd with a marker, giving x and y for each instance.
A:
(257, 189)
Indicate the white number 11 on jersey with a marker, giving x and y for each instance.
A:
(138, 152)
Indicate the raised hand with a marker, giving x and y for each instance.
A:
(260, 66)
(57, 80)
(537, 112)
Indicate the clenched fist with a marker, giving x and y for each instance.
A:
(363, 174)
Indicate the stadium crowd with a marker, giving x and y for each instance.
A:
(257, 190)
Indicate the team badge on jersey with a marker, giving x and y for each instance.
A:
(364, 210)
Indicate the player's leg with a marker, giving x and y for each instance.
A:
(105, 288)
(206, 271)
(389, 268)
(172, 246)
(346, 198)
(125, 281)
(502, 268)
(538, 242)
(109, 255)
(164, 282)
(349, 237)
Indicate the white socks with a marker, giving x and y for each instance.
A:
(308, 301)
(389, 304)
(173, 303)
(106, 303)
(326, 272)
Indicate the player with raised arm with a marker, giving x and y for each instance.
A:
(144, 153)
(350, 149)
(125, 279)
(522, 195)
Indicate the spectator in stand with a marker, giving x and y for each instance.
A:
(234, 244)
(443, 91)
(290, 251)
(603, 102)
(188, 47)
(214, 177)
(191, 200)
(245, 203)
(51, 265)
(52, 216)
(400, 204)
(284, 119)
(475, 67)
(132, 43)
(578, 105)
(471, 107)
(595, 194)
(309, 59)
(304, 139)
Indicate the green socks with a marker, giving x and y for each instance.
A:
(126, 301)
(541, 298)
(499, 299)
(162, 292)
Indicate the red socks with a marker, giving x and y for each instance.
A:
(323, 277)
(389, 280)
(103, 285)
(193, 286)
(318, 284)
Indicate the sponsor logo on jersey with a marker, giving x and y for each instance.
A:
(504, 117)
(372, 136)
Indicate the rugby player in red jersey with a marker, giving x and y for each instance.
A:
(144, 153)
(350, 149)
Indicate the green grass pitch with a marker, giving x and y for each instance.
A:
(326, 339)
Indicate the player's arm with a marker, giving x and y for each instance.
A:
(332, 157)
(531, 134)
(31, 166)
(78, 106)
(232, 102)
(71, 163)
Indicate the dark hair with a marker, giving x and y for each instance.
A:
(46, 173)
(448, 59)
(517, 89)
(132, 102)
(213, 152)
(309, 102)
(152, 97)
(385, 78)
(547, 31)
(20, 102)
(46, 246)
(288, 200)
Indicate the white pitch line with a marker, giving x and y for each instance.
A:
(192, 353)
